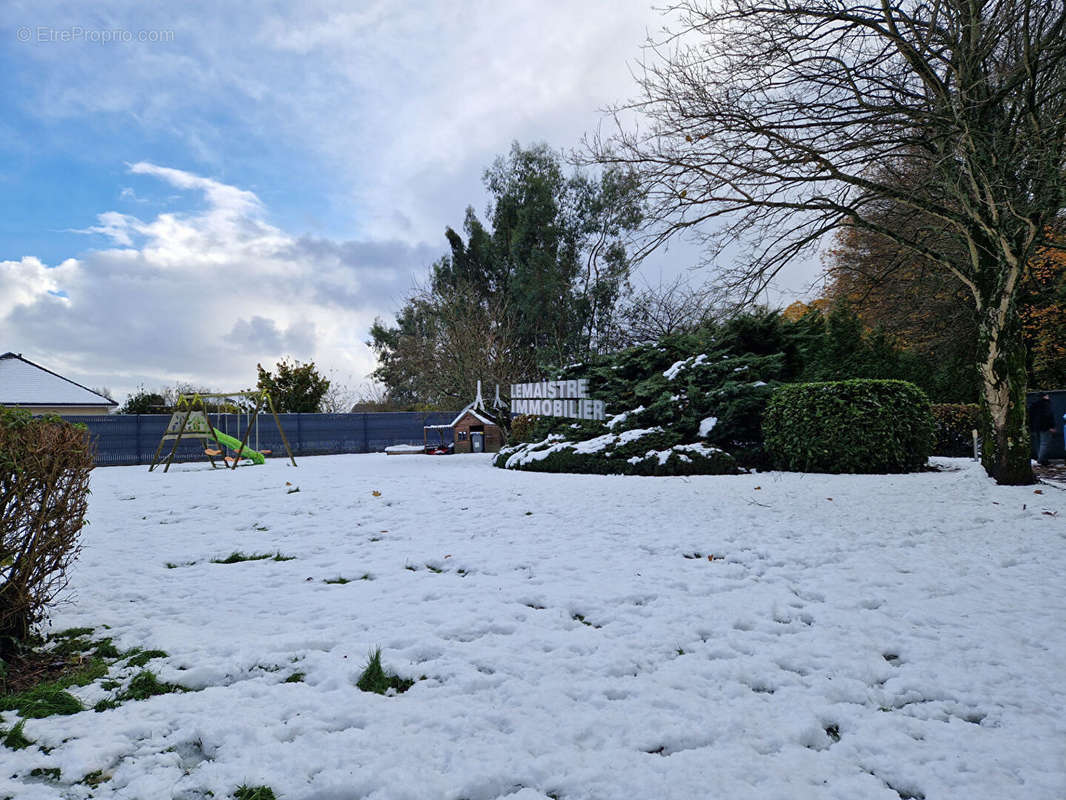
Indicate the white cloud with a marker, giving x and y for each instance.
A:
(401, 105)
(202, 296)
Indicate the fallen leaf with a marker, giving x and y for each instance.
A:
(757, 488)
(1038, 491)
(830, 499)
(376, 493)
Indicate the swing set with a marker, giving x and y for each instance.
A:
(191, 420)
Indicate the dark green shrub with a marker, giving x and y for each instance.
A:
(634, 452)
(44, 487)
(954, 424)
(860, 426)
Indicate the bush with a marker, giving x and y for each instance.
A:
(634, 452)
(44, 487)
(523, 427)
(858, 426)
(954, 424)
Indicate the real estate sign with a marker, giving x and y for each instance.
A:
(556, 399)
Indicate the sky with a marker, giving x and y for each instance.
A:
(188, 189)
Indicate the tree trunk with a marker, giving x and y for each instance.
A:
(1003, 415)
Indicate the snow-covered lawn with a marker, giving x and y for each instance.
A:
(754, 636)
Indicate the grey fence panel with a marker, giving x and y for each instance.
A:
(124, 439)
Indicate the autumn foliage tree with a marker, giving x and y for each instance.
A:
(1043, 312)
(930, 313)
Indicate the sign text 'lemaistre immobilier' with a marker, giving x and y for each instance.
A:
(556, 399)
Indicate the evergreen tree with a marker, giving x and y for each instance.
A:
(538, 286)
(294, 387)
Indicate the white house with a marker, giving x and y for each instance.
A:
(24, 384)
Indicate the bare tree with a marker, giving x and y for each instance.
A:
(672, 307)
(374, 396)
(340, 396)
(779, 121)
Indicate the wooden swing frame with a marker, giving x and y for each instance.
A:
(189, 403)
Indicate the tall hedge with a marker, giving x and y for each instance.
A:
(856, 426)
(44, 487)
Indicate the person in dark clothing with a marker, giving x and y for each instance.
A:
(1043, 424)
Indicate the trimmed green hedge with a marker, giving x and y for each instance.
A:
(856, 426)
(954, 423)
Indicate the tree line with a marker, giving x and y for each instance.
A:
(929, 134)
(294, 387)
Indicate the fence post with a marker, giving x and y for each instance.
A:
(299, 434)
(137, 459)
(366, 436)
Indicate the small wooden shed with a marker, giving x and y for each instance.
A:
(476, 432)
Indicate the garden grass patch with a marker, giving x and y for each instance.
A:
(16, 739)
(378, 680)
(71, 633)
(236, 557)
(245, 792)
(340, 579)
(143, 685)
(46, 700)
(143, 657)
(95, 778)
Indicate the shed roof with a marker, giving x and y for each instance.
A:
(23, 383)
(481, 415)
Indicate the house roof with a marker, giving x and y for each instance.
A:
(23, 383)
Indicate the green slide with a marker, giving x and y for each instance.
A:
(234, 445)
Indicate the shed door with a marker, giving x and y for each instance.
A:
(477, 442)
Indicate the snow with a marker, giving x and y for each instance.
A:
(692, 361)
(707, 425)
(617, 419)
(735, 627)
(23, 382)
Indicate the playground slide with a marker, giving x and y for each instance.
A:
(234, 445)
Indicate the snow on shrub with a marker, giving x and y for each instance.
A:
(708, 387)
(650, 451)
(857, 426)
